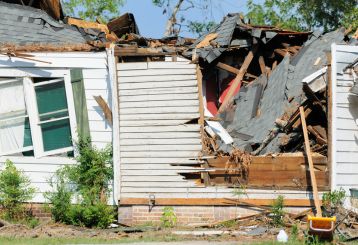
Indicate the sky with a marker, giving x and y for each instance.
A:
(151, 20)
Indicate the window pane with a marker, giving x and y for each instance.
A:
(51, 100)
(56, 135)
(14, 134)
(53, 113)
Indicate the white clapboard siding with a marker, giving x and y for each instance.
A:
(158, 91)
(96, 82)
(157, 100)
(344, 120)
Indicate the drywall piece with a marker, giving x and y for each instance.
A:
(218, 128)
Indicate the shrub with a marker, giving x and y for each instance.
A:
(15, 189)
(87, 183)
(168, 219)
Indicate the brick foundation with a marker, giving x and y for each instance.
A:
(38, 210)
(140, 214)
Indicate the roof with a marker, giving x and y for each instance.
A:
(23, 25)
(282, 91)
(226, 37)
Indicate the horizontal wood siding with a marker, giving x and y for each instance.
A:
(344, 122)
(156, 100)
(96, 82)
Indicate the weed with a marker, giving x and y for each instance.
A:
(14, 191)
(334, 198)
(277, 211)
(32, 222)
(168, 219)
(294, 232)
(312, 240)
(239, 191)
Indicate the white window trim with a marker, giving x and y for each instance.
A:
(32, 110)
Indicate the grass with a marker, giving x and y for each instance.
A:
(55, 241)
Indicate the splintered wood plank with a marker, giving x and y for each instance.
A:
(236, 82)
(262, 65)
(310, 163)
(228, 68)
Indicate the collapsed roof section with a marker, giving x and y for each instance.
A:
(280, 95)
(234, 33)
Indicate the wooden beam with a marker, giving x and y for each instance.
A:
(199, 75)
(87, 24)
(329, 114)
(236, 82)
(214, 202)
(228, 68)
(106, 110)
(274, 64)
(310, 163)
(262, 65)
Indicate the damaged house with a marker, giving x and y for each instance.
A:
(192, 122)
(49, 75)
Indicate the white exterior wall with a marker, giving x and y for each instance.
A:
(155, 100)
(344, 120)
(97, 81)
